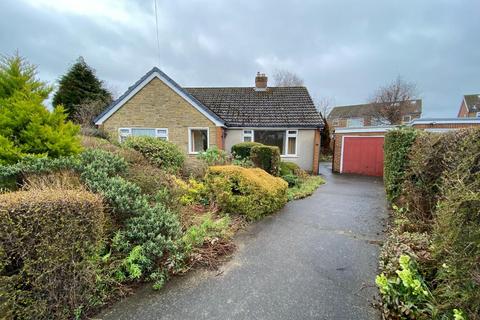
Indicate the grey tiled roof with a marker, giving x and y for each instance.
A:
(361, 110)
(473, 102)
(275, 107)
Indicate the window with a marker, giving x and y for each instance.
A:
(286, 141)
(247, 135)
(124, 133)
(336, 122)
(407, 118)
(355, 122)
(478, 114)
(197, 140)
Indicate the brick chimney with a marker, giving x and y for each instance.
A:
(261, 82)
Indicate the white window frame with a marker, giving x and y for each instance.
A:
(478, 114)
(335, 122)
(247, 135)
(129, 132)
(285, 144)
(190, 138)
(356, 118)
(409, 118)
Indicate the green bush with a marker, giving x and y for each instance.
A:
(267, 158)
(397, 147)
(194, 168)
(251, 192)
(292, 180)
(164, 154)
(48, 241)
(287, 167)
(243, 150)
(27, 128)
(456, 230)
(214, 156)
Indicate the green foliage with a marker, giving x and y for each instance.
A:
(456, 230)
(292, 180)
(78, 87)
(26, 126)
(405, 296)
(242, 150)
(287, 167)
(267, 158)
(243, 162)
(214, 156)
(48, 243)
(397, 147)
(306, 186)
(251, 192)
(209, 228)
(194, 168)
(166, 155)
(192, 192)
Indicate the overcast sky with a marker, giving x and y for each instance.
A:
(343, 49)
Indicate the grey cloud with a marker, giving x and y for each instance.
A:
(343, 49)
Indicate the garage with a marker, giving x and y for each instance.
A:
(362, 155)
(359, 150)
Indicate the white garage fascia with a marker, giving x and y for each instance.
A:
(343, 143)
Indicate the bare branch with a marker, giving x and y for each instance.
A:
(285, 78)
(390, 101)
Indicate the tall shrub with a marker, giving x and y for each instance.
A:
(243, 150)
(26, 126)
(267, 158)
(48, 240)
(457, 228)
(397, 147)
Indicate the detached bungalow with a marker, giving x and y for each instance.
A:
(198, 118)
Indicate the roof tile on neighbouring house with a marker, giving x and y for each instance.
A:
(246, 107)
(473, 102)
(367, 109)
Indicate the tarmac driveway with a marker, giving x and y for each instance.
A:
(315, 259)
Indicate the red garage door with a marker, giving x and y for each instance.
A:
(363, 155)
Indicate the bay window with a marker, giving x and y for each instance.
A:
(198, 140)
(124, 133)
(285, 140)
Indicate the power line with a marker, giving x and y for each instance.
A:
(156, 29)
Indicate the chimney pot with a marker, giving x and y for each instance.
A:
(261, 82)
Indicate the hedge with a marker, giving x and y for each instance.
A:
(48, 240)
(267, 158)
(243, 150)
(397, 146)
(248, 191)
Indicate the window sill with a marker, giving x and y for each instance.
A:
(289, 156)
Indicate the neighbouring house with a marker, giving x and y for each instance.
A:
(198, 118)
(470, 106)
(360, 150)
(363, 115)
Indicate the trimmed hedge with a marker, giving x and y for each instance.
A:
(164, 154)
(248, 191)
(267, 158)
(456, 231)
(243, 150)
(397, 147)
(47, 243)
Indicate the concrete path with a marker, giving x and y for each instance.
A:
(315, 259)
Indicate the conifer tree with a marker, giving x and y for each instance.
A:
(80, 87)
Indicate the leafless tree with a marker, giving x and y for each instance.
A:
(390, 100)
(324, 106)
(285, 78)
(85, 113)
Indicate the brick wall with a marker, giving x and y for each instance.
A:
(158, 106)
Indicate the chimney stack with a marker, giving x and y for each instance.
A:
(261, 82)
